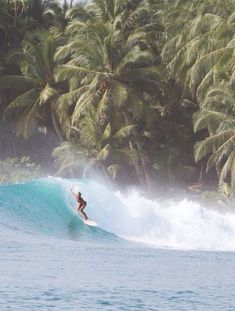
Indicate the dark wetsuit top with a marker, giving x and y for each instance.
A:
(80, 200)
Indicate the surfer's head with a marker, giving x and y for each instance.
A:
(79, 194)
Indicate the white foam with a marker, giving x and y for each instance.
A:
(180, 225)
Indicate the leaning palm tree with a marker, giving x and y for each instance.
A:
(36, 90)
(112, 65)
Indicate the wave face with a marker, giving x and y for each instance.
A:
(46, 207)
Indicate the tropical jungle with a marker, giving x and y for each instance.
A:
(137, 92)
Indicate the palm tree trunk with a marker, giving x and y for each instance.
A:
(137, 165)
(138, 161)
(218, 170)
(144, 165)
(217, 166)
(55, 123)
(202, 169)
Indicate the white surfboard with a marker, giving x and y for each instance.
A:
(88, 221)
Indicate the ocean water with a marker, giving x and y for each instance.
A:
(144, 255)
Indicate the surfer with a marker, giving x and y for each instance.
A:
(81, 203)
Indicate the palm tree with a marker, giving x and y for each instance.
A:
(36, 87)
(200, 57)
(217, 116)
(12, 23)
(47, 13)
(98, 146)
(203, 47)
(112, 65)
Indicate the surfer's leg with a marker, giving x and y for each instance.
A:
(79, 207)
(81, 211)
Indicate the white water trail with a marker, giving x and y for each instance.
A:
(179, 225)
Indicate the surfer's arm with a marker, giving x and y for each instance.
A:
(73, 193)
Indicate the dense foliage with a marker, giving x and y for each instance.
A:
(140, 91)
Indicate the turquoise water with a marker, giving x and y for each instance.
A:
(51, 261)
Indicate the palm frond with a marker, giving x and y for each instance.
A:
(46, 94)
(27, 99)
(205, 64)
(205, 118)
(106, 133)
(104, 153)
(226, 168)
(66, 72)
(211, 144)
(124, 132)
(223, 150)
(72, 97)
(225, 189)
(27, 122)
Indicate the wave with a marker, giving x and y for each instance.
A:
(46, 207)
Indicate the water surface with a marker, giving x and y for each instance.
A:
(51, 261)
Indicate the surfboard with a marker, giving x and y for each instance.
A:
(88, 221)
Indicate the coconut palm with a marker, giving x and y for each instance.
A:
(12, 23)
(218, 117)
(112, 65)
(99, 145)
(36, 89)
(201, 58)
(47, 13)
(205, 45)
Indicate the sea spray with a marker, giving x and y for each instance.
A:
(179, 225)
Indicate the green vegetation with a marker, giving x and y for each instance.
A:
(141, 91)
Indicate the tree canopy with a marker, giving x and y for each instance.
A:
(141, 90)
